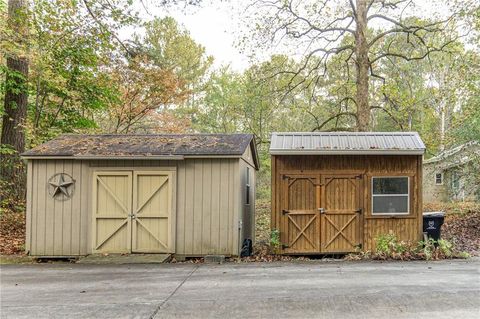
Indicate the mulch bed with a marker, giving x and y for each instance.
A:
(12, 233)
(464, 231)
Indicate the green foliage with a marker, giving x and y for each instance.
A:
(446, 247)
(6, 150)
(275, 238)
(171, 47)
(389, 247)
(427, 248)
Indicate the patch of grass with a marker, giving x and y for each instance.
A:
(16, 259)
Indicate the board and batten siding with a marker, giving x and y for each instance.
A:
(247, 210)
(408, 228)
(208, 205)
(58, 228)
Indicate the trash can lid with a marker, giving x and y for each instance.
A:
(434, 214)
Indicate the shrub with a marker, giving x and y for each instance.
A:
(275, 238)
(389, 247)
(446, 247)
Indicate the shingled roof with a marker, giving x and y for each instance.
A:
(151, 145)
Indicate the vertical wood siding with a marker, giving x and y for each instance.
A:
(207, 212)
(247, 212)
(406, 228)
(58, 228)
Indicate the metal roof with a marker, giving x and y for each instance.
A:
(473, 145)
(331, 143)
(144, 146)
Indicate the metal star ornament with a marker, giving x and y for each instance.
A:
(61, 183)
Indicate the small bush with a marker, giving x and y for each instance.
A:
(446, 247)
(275, 238)
(389, 247)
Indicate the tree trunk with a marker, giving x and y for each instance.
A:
(362, 66)
(13, 131)
(12, 171)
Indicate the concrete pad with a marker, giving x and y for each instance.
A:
(444, 289)
(120, 259)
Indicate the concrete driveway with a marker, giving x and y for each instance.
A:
(446, 289)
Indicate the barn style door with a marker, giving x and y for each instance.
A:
(152, 207)
(132, 212)
(340, 213)
(112, 205)
(300, 216)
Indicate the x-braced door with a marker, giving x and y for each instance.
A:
(133, 212)
(341, 213)
(152, 207)
(112, 208)
(300, 229)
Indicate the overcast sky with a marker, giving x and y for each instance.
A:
(217, 24)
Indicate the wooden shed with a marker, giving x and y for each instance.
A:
(337, 192)
(190, 195)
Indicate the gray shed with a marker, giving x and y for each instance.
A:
(187, 194)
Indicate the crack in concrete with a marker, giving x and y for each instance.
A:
(173, 293)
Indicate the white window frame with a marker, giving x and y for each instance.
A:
(385, 195)
(441, 178)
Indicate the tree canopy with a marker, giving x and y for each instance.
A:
(99, 67)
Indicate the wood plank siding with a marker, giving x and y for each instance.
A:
(341, 186)
(209, 200)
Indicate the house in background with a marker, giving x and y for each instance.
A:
(453, 175)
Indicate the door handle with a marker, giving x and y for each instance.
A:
(321, 210)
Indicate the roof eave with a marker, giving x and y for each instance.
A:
(127, 157)
(346, 152)
(113, 157)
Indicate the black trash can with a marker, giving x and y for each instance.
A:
(432, 223)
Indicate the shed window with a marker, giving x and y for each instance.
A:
(390, 195)
(247, 186)
(438, 179)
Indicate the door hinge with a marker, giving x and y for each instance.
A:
(359, 211)
(285, 177)
(284, 212)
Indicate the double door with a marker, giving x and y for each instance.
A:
(321, 213)
(132, 212)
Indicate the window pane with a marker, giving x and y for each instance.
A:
(390, 204)
(390, 185)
